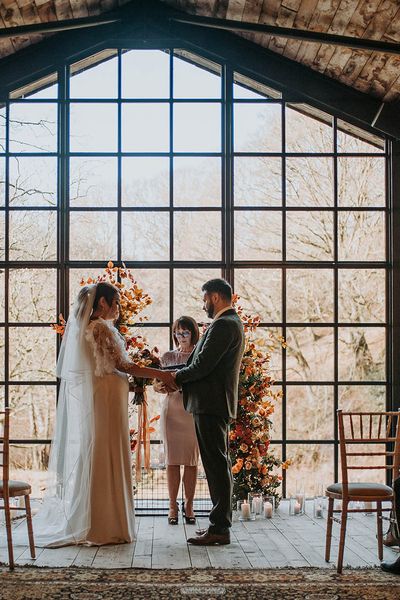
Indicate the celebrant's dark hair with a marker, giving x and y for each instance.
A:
(186, 323)
(218, 286)
(104, 290)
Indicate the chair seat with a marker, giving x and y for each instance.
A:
(362, 489)
(17, 488)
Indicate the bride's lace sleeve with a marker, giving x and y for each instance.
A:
(108, 347)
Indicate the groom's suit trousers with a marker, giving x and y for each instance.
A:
(212, 435)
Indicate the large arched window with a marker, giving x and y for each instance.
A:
(185, 170)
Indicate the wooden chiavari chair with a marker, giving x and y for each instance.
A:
(12, 489)
(359, 430)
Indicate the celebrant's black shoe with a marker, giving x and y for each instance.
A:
(189, 520)
(391, 567)
(173, 520)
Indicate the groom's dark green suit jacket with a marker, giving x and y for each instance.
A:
(210, 380)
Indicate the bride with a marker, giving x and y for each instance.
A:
(89, 492)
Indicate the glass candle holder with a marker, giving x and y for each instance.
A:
(268, 507)
(244, 511)
(300, 497)
(295, 506)
(319, 507)
(368, 506)
(255, 499)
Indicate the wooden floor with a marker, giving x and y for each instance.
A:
(284, 541)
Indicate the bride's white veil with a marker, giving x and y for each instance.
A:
(64, 517)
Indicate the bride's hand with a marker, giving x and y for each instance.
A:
(168, 378)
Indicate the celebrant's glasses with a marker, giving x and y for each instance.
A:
(183, 334)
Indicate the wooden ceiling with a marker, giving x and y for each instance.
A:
(374, 73)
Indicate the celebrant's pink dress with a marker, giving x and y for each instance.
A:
(177, 425)
(112, 511)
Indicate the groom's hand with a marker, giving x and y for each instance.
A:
(169, 381)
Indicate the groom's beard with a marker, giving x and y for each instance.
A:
(210, 311)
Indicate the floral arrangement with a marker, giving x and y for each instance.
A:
(254, 465)
(133, 300)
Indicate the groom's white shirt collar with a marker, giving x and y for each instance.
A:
(222, 311)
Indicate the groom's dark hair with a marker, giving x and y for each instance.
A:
(218, 286)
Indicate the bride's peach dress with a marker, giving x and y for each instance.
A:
(111, 493)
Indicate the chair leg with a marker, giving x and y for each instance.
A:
(329, 530)
(342, 539)
(9, 533)
(379, 529)
(29, 524)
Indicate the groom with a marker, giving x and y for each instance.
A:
(210, 382)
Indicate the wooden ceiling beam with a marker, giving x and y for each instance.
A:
(57, 26)
(290, 33)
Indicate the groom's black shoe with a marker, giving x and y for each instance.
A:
(391, 567)
(210, 539)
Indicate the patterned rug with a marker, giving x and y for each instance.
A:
(30, 583)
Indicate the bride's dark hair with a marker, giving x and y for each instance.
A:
(104, 290)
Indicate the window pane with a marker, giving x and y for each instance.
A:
(2, 232)
(352, 139)
(362, 398)
(145, 181)
(361, 235)
(93, 235)
(305, 133)
(145, 127)
(145, 74)
(2, 129)
(77, 275)
(260, 292)
(312, 465)
(197, 127)
(309, 235)
(37, 225)
(276, 417)
(155, 336)
(155, 282)
(33, 181)
(258, 181)
(309, 353)
(93, 127)
(310, 412)
(145, 236)
(197, 181)
(32, 353)
(97, 81)
(270, 339)
(361, 181)
(33, 127)
(309, 296)
(30, 462)
(191, 81)
(362, 352)
(257, 128)
(188, 297)
(33, 411)
(2, 294)
(309, 181)
(362, 295)
(32, 295)
(93, 181)
(2, 180)
(258, 235)
(197, 235)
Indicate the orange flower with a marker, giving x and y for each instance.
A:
(248, 466)
(243, 447)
